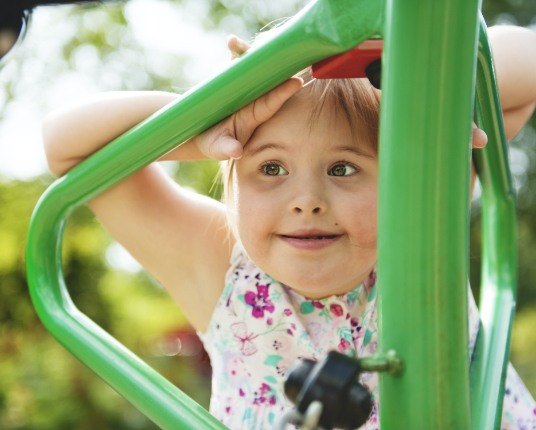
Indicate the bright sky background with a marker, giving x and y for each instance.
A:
(158, 26)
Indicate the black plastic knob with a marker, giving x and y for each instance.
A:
(374, 73)
(346, 404)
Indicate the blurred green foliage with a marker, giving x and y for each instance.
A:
(41, 385)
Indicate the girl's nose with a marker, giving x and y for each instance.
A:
(309, 202)
(314, 210)
(309, 196)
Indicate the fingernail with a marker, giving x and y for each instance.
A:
(234, 151)
(483, 135)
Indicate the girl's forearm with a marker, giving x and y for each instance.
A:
(71, 134)
(514, 55)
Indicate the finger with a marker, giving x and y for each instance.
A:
(237, 46)
(479, 137)
(231, 148)
(225, 147)
(251, 116)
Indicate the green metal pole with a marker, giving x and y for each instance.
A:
(499, 257)
(427, 104)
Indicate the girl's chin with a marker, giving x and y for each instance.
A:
(320, 290)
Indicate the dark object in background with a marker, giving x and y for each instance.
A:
(374, 73)
(14, 16)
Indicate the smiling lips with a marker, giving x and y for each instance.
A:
(310, 239)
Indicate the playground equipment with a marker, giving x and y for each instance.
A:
(434, 52)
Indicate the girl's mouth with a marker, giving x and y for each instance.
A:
(319, 237)
(310, 242)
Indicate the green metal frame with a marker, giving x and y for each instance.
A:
(429, 63)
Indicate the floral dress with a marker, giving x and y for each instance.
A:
(261, 327)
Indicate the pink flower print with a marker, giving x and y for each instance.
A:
(371, 280)
(246, 339)
(264, 395)
(373, 417)
(344, 345)
(241, 392)
(336, 309)
(287, 312)
(284, 365)
(269, 321)
(317, 304)
(291, 330)
(259, 301)
(277, 342)
(236, 368)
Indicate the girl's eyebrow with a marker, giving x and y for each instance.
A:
(355, 150)
(345, 148)
(263, 147)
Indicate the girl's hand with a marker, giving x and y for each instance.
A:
(227, 138)
(237, 46)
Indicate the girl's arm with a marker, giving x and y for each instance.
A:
(115, 113)
(161, 225)
(514, 55)
(180, 237)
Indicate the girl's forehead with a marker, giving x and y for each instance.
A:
(301, 122)
(305, 114)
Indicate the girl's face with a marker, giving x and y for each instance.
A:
(305, 201)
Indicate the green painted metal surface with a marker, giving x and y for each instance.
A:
(428, 84)
(425, 133)
(499, 259)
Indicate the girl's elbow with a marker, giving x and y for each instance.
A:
(59, 167)
(49, 133)
(52, 143)
(515, 119)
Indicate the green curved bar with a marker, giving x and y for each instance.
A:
(323, 28)
(499, 244)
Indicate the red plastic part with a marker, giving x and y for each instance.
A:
(350, 64)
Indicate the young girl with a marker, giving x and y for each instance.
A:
(284, 269)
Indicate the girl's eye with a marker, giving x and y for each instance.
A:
(342, 169)
(273, 169)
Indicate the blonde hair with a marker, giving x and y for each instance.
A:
(356, 99)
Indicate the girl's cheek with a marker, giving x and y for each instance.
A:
(364, 224)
